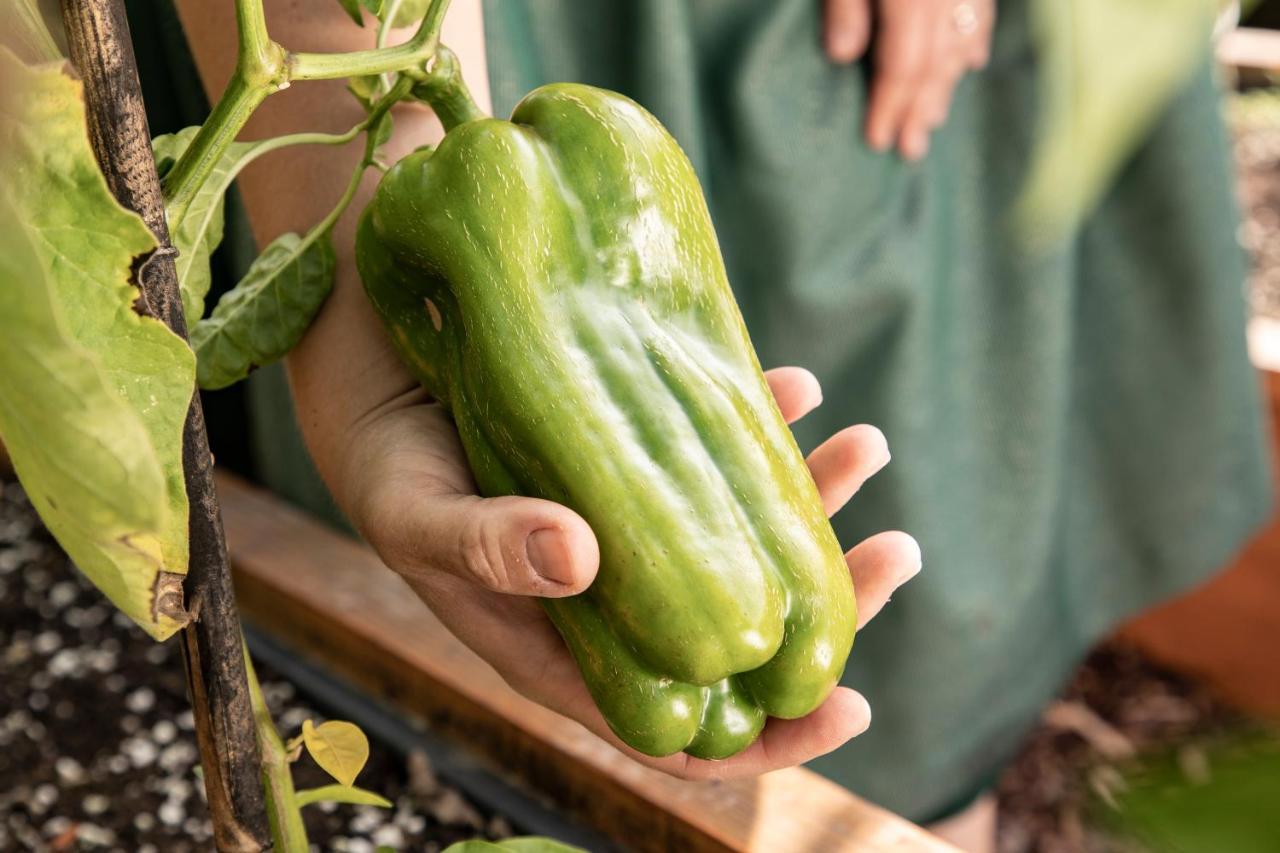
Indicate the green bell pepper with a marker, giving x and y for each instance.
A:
(555, 282)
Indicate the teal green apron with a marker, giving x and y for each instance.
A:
(1076, 435)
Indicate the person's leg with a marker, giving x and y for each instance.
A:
(972, 830)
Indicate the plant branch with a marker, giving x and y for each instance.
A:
(414, 52)
(284, 813)
(232, 112)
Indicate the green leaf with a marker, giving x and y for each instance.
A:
(197, 231)
(525, 844)
(93, 396)
(365, 89)
(352, 8)
(340, 748)
(1110, 67)
(267, 312)
(340, 794)
(409, 12)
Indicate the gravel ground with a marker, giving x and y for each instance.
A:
(97, 749)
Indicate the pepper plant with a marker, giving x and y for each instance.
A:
(95, 388)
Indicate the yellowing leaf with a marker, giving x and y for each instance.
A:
(340, 748)
(340, 794)
(93, 397)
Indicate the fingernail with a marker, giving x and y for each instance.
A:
(549, 555)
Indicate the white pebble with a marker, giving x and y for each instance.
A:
(94, 835)
(64, 663)
(101, 660)
(171, 813)
(177, 756)
(46, 642)
(157, 654)
(389, 836)
(56, 825)
(38, 701)
(95, 804)
(117, 764)
(140, 752)
(147, 848)
(114, 682)
(366, 820)
(62, 594)
(130, 724)
(69, 770)
(46, 795)
(144, 822)
(164, 732)
(186, 720)
(141, 700)
(173, 787)
(18, 652)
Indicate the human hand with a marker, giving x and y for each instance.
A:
(477, 563)
(922, 49)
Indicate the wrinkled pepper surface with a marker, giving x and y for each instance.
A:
(555, 282)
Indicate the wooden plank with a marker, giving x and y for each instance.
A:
(1226, 632)
(329, 595)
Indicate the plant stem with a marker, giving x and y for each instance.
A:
(385, 103)
(416, 51)
(288, 832)
(217, 133)
(384, 26)
(444, 89)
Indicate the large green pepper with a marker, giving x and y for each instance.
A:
(555, 281)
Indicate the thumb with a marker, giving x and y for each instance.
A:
(846, 29)
(521, 546)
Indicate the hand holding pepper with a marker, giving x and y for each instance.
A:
(476, 563)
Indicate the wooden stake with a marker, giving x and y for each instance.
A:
(101, 50)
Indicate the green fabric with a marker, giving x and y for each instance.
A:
(1075, 436)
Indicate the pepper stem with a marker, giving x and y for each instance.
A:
(444, 89)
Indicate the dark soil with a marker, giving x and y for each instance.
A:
(96, 743)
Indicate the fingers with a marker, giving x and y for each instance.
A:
(521, 546)
(796, 390)
(786, 743)
(842, 463)
(879, 565)
(846, 29)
